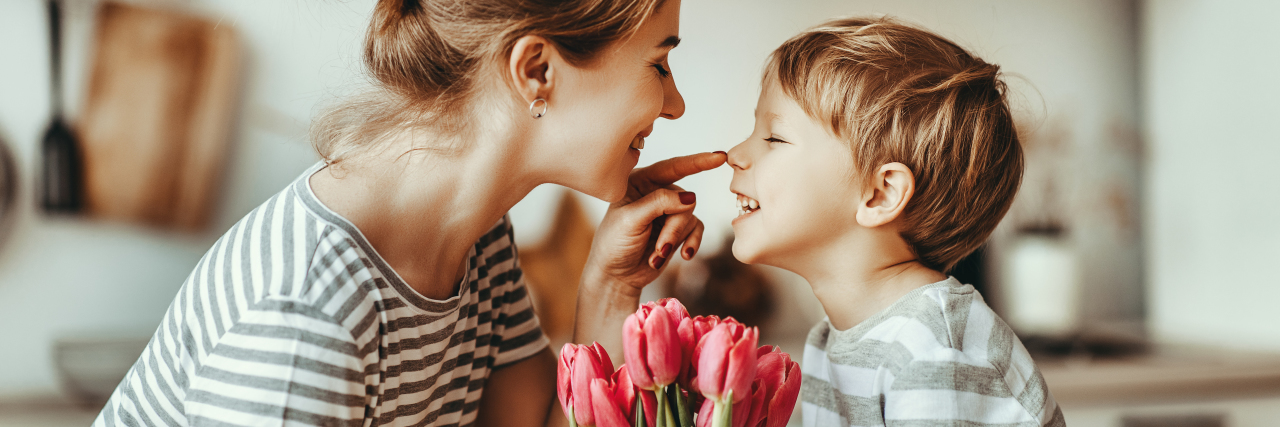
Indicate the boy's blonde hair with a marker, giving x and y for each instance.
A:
(896, 93)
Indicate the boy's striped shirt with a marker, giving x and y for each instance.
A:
(293, 319)
(937, 357)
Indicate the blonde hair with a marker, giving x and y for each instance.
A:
(896, 93)
(428, 57)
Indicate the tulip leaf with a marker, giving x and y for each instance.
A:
(639, 407)
(682, 406)
(669, 413)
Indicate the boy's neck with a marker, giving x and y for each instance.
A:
(858, 281)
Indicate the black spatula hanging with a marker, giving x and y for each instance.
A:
(61, 174)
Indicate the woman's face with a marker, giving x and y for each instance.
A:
(605, 108)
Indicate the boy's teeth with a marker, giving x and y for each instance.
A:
(637, 143)
(746, 205)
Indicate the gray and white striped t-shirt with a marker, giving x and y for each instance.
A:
(293, 319)
(937, 357)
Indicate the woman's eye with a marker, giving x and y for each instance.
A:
(775, 139)
(662, 71)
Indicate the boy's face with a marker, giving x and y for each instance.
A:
(797, 174)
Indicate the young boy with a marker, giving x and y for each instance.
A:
(881, 155)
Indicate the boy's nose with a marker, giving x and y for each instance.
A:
(738, 156)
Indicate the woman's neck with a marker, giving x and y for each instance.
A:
(422, 211)
(863, 275)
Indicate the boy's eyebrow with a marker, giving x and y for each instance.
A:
(670, 41)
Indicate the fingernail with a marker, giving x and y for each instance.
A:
(688, 252)
(659, 262)
(687, 197)
(666, 250)
(720, 152)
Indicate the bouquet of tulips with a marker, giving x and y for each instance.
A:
(680, 371)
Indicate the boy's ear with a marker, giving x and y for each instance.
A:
(532, 67)
(886, 195)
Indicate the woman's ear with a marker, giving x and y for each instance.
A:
(886, 195)
(532, 67)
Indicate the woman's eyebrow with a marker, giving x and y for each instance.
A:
(670, 41)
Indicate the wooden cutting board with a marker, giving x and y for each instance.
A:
(155, 124)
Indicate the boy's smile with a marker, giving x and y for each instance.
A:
(802, 172)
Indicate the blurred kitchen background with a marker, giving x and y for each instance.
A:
(1137, 262)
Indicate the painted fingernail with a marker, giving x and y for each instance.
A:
(720, 152)
(688, 252)
(687, 197)
(666, 250)
(659, 262)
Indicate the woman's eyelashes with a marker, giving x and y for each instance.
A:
(662, 71)
(772, 138)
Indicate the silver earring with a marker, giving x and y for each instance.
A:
(534, 106)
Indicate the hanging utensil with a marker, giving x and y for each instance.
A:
(61, 174)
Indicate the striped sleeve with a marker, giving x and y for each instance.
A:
(990, 380)
(516, 325)
(284, 363)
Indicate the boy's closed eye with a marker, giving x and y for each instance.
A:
(774, 138)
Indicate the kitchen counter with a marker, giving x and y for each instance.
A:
(1163, 375)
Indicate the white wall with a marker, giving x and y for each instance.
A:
(1210, 92)
(61, 277)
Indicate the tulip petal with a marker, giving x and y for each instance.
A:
(704, 414)
(675, 308)
(606, 411)
(633, 351)
(759, 404)
(583, 373)
(662, 346)
(650, 402)
(742, 365)
(784, 399)
(688, 340)
(713, 362)
(606, 363)
(564, 376)
(771, 369)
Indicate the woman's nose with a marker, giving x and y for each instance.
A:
(738, 158)
(672, 101)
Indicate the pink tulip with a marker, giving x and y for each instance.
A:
(773, 393)
(613, 399)
(691, 331)
(780, 378)
(727, 361)
(579, 365)
(651, 344)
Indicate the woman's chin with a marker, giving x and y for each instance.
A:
(609, 194)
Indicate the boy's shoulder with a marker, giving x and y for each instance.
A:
(946, 315)
(940, 343)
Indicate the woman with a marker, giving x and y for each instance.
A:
(382, 287)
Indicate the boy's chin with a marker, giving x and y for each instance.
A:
(745, 253)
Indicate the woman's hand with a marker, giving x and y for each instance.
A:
(637, 237)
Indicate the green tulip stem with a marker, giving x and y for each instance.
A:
(682, 406)
(639, 408)
(658, 418)
(573, 420)
(722, 412)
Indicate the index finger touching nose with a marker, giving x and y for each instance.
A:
(669, 171)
